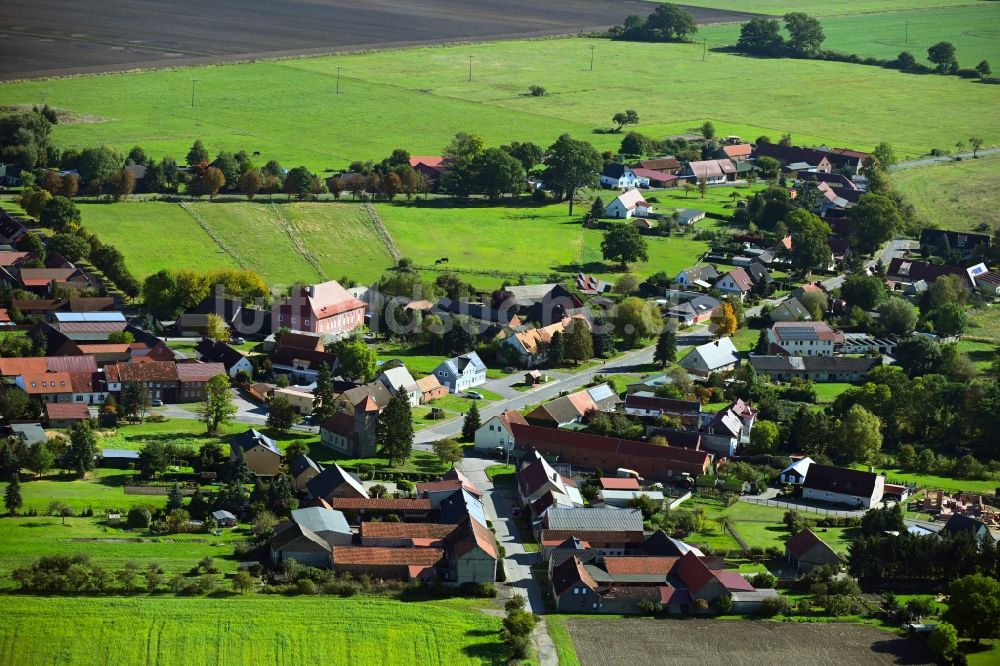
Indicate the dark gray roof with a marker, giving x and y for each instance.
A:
(331, 478)
(253, 437)
(778, 363)
(840, 480)
(580, 518)
(301, 464)
(614, 170)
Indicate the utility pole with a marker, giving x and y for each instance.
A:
(592, 47)
(704, 49)
(338, 80)
(906, 38)
(193, 81)
(470, 67)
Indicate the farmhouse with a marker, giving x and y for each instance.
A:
(393, 563)
(399, 379)
(262, 455)
(496, 433)
(545, 303)
(462, 373)
(814, 368)
(310, 536)
(716, 356)
(404, 535)
(574, 407)
(714, 172)
(237, 316)
(805, 551)
(621, 177)
(737, 152)
(789, 309)
(796, 472)
(159, 377)
(302, 469)
(839, 485)
(655, 178)
(300, 356)
(536, 478)
(644, 403)
(701, 276)
(326, 309)
(358, 508)
(65, 414)
(803, 338)
(596, 452)
(335, 482)
(193, 376)
(629, 204)
(670, 165)
(700, 308)
(232, 359)
(814, 160)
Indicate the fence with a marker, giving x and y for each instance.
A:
(801, 507)
(680, 500)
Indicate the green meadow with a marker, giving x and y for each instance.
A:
(832, 8)
(953, 195)
(250, 630)
(418, 99)
(974, 29)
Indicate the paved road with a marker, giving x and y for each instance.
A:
(927, 161)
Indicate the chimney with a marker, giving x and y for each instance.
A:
(309, 290)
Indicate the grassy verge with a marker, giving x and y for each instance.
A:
(562, 640)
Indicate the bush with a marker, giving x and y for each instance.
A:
(536, 91)
(650, 607)
(138, 518)
(518, 647)
(774, 606)
(968, 73)
(481, 590)
(763, 581)
(305, 586)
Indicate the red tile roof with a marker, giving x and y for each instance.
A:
(147, 371)
(802, 542)
(47, 382)
(405, 530)
(693, 572)
(62, 411)
(733, 581)
(199, 372)
(532, 434)
(618, 484)
(422, 557)
(653, 566)
(379, 504)
(569, 574)
(593, 536)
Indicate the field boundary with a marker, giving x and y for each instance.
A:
(381, 231)
(211, 234)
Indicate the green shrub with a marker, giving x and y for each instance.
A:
(138, 518)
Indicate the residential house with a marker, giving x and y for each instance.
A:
(335, 482)
(669, 165)
(443, 489)
(736, 152)
(621, 177)
(809, 158)
(41, 281)
(471, 554)
(805, 551)
(596, 452)
(717, 356)
(655, 178)
(646, 404)
(66, 414)
(574, 407)
(573, 588)
(714, 172)
(961, 524)
(814, 368)
(624, 498)
(490, 320)
(351, 430)
(736, 282)
(803, 338)
(697, 276)
(430, 389)
(302, 469)
(545, 303)
(193, 377)
(310, 536)
(789, 309)
(403, 535)
(459, 506)
(240, 318)
(537, 477)
(694, 311)
(399, 379)
(234, 361)
(629, 204)
(943, 242)
(845, 159)
(796, 472)
(839, 485)
(300, 356)
(496, 432)
(49, 387)
(302, 401)
(89, 326)
(908, 271)
(688, 216)
(462, 373)
(159, 378)
(430, 167)
(532, 345)
(326, 309)
(262, 455)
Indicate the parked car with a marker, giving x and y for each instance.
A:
(509, 369)
(238, 341)
(156, 403)
(474, 395)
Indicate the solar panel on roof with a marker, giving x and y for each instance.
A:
(601, 392)
(89, 317)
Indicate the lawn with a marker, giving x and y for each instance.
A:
(488, 245)
(297, 237)
(418, 99)
(832, 8)
(982, 354)
(24, 539)
(972, 28)
(953, 195)
(828, 391)
(985, 323)
(934, 482)
(246, 630)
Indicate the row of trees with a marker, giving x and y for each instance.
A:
(167, 293)
(667, 23)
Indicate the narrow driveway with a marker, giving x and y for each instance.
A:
(927, 161)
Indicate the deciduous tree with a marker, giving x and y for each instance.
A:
(219, 407)
(624, 244)
(570, 165)
(280, 414)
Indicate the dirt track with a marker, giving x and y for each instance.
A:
(698, 642)
(40, 38)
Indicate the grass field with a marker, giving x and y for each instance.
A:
(933, 481)
(512, 240)
(246, 630)
(953, 195)
(985, 323)
(24, 539)
(696, 642)
(972, 28)
(284, 242)
(419, 98)
(833, 8)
